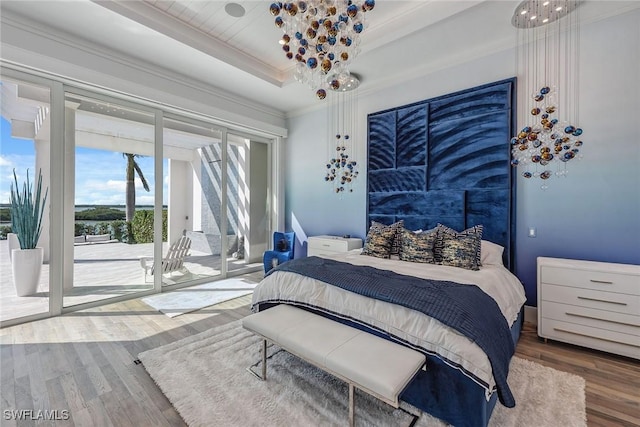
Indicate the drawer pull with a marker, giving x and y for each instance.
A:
(326, 246)
(603, 300)
(591, 336)
(601, 281)
(599, 318)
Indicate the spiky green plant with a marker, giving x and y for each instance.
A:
(27, 210)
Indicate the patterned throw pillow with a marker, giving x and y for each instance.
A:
(378, 242)
(460, 251)
(397, 228)
(417, 247)
(445, 233)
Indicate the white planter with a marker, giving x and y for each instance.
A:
(26, 266)
(14, 243)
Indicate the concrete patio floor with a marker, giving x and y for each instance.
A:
(103, 271)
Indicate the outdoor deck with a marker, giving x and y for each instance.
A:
(102, 271)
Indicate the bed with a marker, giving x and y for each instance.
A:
(439, 167)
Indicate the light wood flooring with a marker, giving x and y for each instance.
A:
(83, 362)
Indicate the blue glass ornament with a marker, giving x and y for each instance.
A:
(274, 9)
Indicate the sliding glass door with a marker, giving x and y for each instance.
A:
(193, 152)
(112, 198)
(25, 151)
(128, 183)
(248, 193)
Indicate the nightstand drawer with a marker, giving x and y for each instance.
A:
(591, 279)
(331, 245)
(610, 301)
(328, 244)
(617, 322)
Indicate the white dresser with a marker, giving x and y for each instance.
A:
(329, 245)
(592, 304)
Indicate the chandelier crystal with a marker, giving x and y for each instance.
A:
(547, 57)
(323, 37)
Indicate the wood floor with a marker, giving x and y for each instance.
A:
(82, 363)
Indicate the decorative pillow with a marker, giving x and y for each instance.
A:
(460, 251)
(282, 245)
(417, 247)
(378, 242)
(491, 253)
(445, 233)
(397, 228)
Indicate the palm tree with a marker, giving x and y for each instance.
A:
(132, 169)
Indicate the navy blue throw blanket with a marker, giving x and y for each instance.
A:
(465, 308)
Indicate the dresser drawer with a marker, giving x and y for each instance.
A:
(610, 301)
(599, 339)
(617, 322)
(591, 279)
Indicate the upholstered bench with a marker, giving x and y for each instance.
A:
(376, 366)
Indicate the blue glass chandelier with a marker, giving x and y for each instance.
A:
(547, 58)
(323, 37)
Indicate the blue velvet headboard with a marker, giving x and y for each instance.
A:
(446, 160)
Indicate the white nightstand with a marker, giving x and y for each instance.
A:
(330, 245)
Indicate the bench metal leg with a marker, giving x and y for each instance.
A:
(351, 414)
(263, 377)
(264, 360)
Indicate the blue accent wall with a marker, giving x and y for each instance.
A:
(592, 214)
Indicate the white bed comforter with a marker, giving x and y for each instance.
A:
(409, 325)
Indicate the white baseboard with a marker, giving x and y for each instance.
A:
(531, 314)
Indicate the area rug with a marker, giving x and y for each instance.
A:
(194, 298)
(205, 378)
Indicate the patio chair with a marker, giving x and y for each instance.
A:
(173, 261)
(283, 246)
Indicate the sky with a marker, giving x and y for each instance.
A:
(100, 174)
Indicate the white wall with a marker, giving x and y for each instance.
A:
(592, 214)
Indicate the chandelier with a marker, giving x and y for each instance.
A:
(342, 168)
(323, 37)
(547, 58)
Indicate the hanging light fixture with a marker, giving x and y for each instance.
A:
(342, 167)
(547, 58)
(323, 37)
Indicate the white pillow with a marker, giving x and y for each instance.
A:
(490, 253)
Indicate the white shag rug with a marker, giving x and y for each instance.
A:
(205, 378)
(194, 298)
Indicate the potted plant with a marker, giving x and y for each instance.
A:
(27, 209)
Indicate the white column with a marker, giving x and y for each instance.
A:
(43, 154)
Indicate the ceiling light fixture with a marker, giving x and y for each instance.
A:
(323, 37)
(547, 59)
